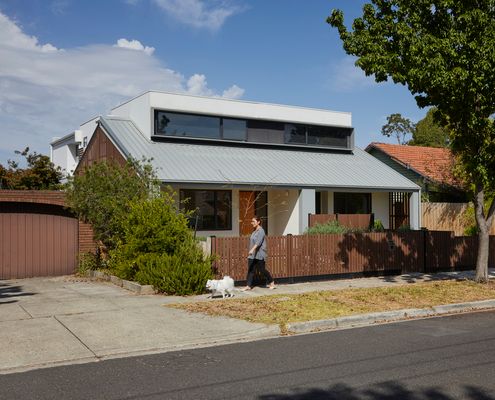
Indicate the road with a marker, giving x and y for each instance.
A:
(443, 358)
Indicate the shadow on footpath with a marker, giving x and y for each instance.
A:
(386, 391)
(8, 293)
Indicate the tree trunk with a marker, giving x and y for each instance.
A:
(483, 236)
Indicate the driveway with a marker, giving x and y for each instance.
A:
(66, 320)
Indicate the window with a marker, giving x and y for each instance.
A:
(295, 134)
(186, 125)
(352, 203)
(233, 129)
(175, 124)
(328, 136)
(213, 208)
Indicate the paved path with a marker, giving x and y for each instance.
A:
(448, 358)
(65, 320)
(51, 321)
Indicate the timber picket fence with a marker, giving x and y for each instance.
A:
(357, 254)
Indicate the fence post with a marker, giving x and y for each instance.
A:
(288, 240)
(213, 250)
(425, 250)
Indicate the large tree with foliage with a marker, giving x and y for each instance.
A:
(101, 195)
(40, 173)
(399, 127)
(429, 132)
(444, 52)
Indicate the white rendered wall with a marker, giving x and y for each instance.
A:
(64, 155)
(307, 205)
(379, 207)
(88, 128)
(415, 210)
(140, 110)
(282, 212)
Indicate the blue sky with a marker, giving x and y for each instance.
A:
(65, 61)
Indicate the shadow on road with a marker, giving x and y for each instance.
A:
(386, 391)
(9, 292)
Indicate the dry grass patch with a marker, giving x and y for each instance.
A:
(282, 309)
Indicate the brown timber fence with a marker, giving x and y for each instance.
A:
(352, 254)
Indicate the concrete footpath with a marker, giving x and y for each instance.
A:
(65, 320)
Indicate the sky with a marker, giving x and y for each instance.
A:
(62, 62)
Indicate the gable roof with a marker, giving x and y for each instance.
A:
(192, 163)
(432, 163)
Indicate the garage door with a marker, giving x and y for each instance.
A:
(36, 240)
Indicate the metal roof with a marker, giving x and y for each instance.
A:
(223, 165)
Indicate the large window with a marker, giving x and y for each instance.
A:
(168, 123)
(212, 208)
(352, 203)
(189, 125)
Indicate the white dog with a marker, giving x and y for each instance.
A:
(224, 286)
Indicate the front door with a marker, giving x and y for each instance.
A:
(247, 211)
(252, 204)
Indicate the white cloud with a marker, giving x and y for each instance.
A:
(209, 14)
(47, 92)
(134, 45)
(233, 92)
(346, 77)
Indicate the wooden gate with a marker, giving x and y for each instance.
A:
(37, 240)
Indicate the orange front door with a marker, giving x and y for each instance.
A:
(247, 211)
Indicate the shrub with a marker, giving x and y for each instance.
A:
(329, 227)
(90, 261)
(102, 193)
(378, 226)
(471, 230)
(158, 248)
(404, 228)
(173, 274)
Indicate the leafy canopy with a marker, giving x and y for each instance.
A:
(40, 173)
(429, 132)
(444, 52)
(398, 127)
(102, 193)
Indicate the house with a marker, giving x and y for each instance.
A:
(236, 159)
(429, 167)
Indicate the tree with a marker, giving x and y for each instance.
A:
(102, 193)
(399, 127)
(430, 133)
(40, 173)
(444, 52)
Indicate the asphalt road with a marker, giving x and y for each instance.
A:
(443, 358)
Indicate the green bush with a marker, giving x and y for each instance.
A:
(173, 274)
(332, 227)
(158, 248)
(378, 226)
(471, 230)
(90, 261)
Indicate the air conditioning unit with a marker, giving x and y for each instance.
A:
(78, 136)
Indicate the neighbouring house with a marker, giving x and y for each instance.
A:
(429, 167)
(236, 159)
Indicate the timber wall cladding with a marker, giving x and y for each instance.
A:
(38, 237)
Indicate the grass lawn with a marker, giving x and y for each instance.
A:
(282, 309)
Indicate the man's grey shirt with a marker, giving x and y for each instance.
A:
(258, 238)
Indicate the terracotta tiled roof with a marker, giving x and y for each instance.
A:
(431, 162)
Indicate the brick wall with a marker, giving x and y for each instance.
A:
(85, 238)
